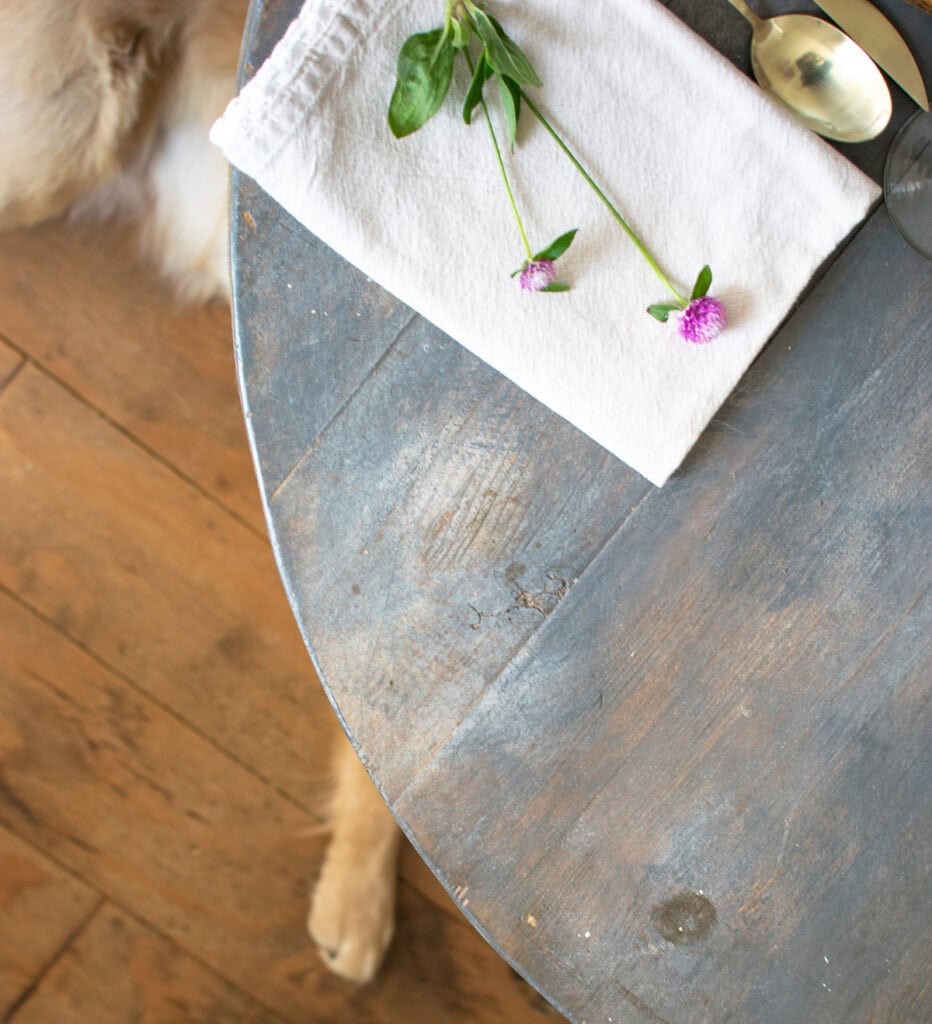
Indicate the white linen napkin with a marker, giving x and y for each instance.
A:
(705, 168)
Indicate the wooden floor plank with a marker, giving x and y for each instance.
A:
(161, 822)
(151, 814)
(10, 362)
(128, 560)
(79, 301)
(108, 541)
(118, 970)
(101, 542)
(40, 907)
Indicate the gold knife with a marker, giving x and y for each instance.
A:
(874, 34)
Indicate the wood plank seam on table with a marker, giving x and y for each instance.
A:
(128, 435)
(146, 694)
(415, 473)
(294, 604)
(335, 418)
(866, 852)
(518, 656)
(867, 390)
(515, 664)
(649, 1013)
(631, 510)
(825, 427)
(67, 943)
(270, 497)
(276, 383)
(525, 653)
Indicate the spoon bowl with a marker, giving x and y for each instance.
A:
(820, 74)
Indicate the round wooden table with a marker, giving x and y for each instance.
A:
(666, 748)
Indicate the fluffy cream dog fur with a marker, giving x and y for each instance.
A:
(106, 109)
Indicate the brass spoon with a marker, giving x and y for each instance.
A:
(820, 74)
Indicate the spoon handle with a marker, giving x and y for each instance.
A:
(742, 8)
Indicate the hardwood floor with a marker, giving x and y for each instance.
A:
(163, 741)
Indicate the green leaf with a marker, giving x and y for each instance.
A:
(513, 49)
(425, 67)
(661, 311)
(504, 55)
(520, 270)
(557, 247)
(480, 76)
(511, 102)
(703, 281)
(556, 287)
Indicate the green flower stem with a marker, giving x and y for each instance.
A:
(501, 167)
(652, 263)
(448, 16)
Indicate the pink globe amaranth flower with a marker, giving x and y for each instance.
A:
(702, 320)
(537, 275)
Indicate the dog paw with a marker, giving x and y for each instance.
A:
(352, 915)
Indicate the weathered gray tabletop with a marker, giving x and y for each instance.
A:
(667, 748)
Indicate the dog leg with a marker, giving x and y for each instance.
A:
(186, 228)
(352, 916)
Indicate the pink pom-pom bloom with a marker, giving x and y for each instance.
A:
(537, 275)
(702, 320)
